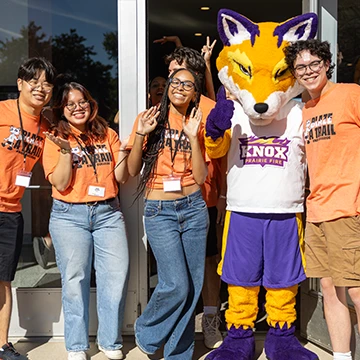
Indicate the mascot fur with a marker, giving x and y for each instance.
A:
(259, 127)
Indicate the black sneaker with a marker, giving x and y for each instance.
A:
(41, 251)
(8, 352)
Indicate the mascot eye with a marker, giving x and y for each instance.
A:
(280, 73)
(246, 71)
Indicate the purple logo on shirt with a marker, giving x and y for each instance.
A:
(270, 151)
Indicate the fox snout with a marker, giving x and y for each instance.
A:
(261, 108)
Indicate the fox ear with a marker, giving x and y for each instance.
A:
(301, 27)
(234, 28)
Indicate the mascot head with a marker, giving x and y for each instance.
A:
(252, 64)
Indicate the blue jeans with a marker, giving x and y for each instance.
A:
(79, 233)
(176, 231)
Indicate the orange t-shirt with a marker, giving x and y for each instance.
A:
(182, 161)
(332, 134)
(106, 155)
(12, 151)
(212, 185)
(206, 105)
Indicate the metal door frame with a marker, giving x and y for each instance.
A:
(38, 312)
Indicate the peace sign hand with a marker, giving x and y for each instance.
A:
(207, 49)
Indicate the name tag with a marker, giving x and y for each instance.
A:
(171, 183)
(23, 178)
(96, 191)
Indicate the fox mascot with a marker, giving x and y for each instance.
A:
(259, 127)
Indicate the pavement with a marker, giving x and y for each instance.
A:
(54, 349)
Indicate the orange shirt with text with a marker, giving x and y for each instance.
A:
(14, 145)
(332, 134)
(182, 161)
(104, 152)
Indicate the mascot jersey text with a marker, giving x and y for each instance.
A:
(261, 132)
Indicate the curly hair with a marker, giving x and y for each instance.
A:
(156, 139)
(191, 59)
(318, 48)
(96, 126)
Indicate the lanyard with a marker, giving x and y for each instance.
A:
(22, 131)
(177, 143)
(90, 156)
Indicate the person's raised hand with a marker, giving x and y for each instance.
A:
(191, 127)
(207, 49)
(148, 120)
(175, 39)
(57, 140)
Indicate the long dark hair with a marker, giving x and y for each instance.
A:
(156, 140)
(96, 126)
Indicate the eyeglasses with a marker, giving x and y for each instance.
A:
(187, 84)
(83, 104)
(46, 87)
(313, 66)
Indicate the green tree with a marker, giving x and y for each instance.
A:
(110, 44)
(16, 50)
(69, 54)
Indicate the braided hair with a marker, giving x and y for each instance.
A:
(156, 140)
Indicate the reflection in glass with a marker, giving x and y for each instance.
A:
(348, 57)
(80, 38)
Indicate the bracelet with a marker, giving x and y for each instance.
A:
(138, 133)
(124, 150)
(222, 196)
(65, 151)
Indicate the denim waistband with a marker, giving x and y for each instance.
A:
(92, 203)
(185, 199)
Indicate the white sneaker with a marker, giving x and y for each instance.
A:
(210, 328)
(112, 354)
(77, 355)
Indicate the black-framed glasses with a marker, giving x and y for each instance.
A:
(83, 104)
(313, 66)
(187, 84)
(35, 85)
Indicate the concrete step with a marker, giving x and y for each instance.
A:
(54, 349)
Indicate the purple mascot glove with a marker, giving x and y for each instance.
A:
(220, 116)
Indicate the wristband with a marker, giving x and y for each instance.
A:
(222, 196)
(138, 133)
(65, 151)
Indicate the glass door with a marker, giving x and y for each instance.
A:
(81, 39)
(339, 26)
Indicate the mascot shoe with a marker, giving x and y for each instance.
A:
(239, 344)
(282, 344)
